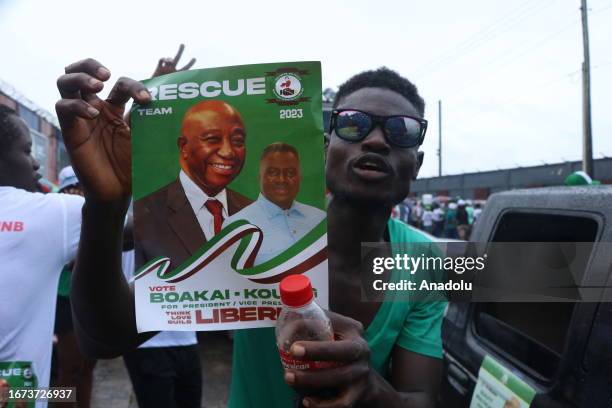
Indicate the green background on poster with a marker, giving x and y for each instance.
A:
(154, 137)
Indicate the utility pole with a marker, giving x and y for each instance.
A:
(439, 138)
(587, 140)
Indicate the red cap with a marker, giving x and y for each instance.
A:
(296, 290)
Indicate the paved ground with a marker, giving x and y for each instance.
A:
(112, 387)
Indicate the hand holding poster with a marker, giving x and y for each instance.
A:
(228, 183)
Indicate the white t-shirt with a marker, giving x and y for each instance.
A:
(427, 218)
(39, 234)
(416, 212)
(438, 215)
(165, 338)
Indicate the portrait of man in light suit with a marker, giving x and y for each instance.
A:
(179, 218)
(282, 219)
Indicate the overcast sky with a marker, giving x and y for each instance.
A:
(507, 72)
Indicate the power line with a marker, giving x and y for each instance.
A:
(595, 12)
(471, 39)
(482, 37)
(508, 61)
(453, 129)
(536, 46)
(540, 87)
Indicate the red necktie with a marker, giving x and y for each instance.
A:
(216, 209)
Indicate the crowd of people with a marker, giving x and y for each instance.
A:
(440, 216)
(385, 354)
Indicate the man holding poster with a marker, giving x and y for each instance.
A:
(373, 154)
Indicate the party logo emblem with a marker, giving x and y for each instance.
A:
(288, 86)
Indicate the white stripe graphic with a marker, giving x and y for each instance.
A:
(290, 263)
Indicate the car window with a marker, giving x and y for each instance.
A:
(532, 334)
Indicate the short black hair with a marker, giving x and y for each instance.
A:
(382, 77)
(8, 128)
(281, 148)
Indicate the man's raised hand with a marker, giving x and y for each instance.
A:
(95, 134)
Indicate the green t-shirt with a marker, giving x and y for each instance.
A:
(451, 219)
(257, 374)
(470, 211)
(63, 288)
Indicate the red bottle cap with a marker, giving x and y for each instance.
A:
(296, 290)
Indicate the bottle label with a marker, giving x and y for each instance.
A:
(293, 363)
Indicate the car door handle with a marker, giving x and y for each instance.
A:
(458, 375)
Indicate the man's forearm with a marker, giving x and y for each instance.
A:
(102, 302)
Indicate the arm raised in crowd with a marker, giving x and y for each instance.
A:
(168, 65)
(99, 144)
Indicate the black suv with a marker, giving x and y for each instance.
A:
(562, 350)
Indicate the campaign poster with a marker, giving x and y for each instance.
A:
(498, 387)
(229, 195)
(18, 376)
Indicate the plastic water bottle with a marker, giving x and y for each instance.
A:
(300, 319)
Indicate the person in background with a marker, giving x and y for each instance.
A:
(477, 211)
(450, 221)
(74, 368)
(427, 220)
(395, 212)
(169, 65)
(165, 371)
(416, 212)
(469, 207)
(404, 211)
(438, 220)
(40, 235)
(463, 222)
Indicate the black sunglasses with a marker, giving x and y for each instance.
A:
(354, 125)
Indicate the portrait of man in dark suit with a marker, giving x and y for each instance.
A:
(180, 217)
